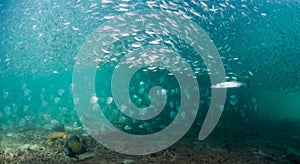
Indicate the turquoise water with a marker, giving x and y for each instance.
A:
(258, 42)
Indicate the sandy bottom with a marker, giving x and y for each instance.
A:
(27, 145)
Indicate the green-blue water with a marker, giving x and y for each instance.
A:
(258, 42)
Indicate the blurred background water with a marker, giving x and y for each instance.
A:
(257, 40)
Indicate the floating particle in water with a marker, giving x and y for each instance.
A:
(233, 100)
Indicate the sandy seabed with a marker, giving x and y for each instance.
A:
(28, 145)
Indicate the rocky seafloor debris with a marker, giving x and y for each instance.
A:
(31, 146)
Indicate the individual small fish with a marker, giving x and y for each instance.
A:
(29, 117)
(56, 135)
(74, 146)
(229, 84)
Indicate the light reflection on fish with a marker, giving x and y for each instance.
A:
(230, 84)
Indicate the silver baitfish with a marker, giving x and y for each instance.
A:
(230, 84)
